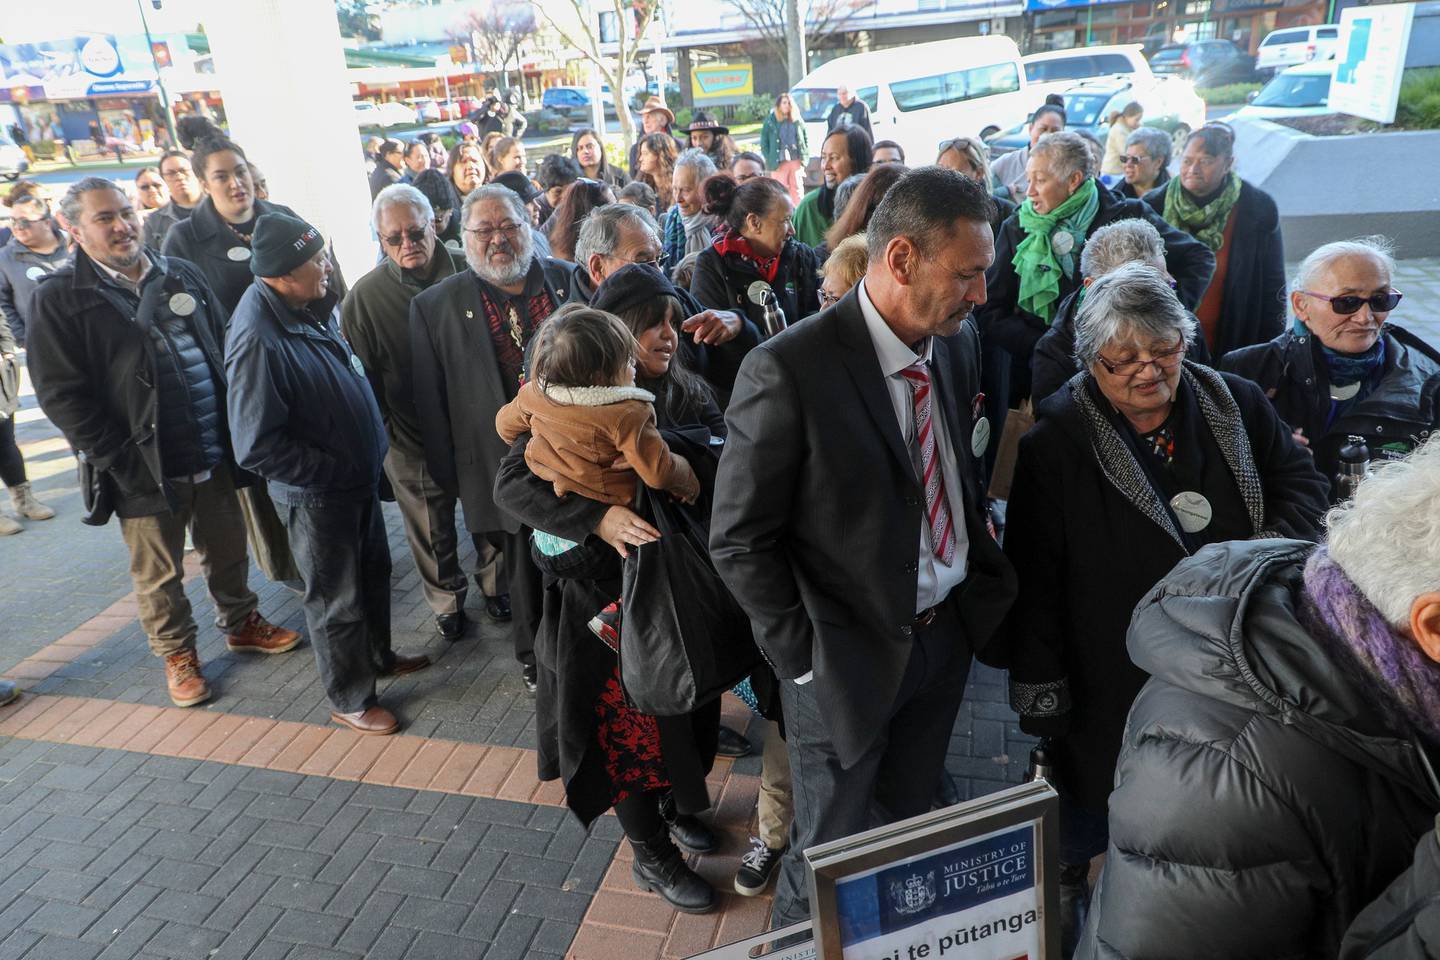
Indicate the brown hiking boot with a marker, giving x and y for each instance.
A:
(258, 635)
(182, 675)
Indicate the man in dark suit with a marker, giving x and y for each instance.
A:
(869, 589)
(468, 335)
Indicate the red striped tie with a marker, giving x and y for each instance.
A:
(937, 507)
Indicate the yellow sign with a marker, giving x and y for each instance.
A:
(718, 83)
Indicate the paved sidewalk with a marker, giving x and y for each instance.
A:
(251, 828)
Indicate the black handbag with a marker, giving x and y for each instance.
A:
(684, 640)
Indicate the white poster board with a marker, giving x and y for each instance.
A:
(1371, 60)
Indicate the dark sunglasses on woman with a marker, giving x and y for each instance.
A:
(1350, 303)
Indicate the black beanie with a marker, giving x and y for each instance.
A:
(630, 286)
(281, 243)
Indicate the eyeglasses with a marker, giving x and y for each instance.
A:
(397, 240)
(1135, 158)
(1349, 303)
(486, 234)
(1166, 361)
(658, 261)
(19, 223)
(827, 298)
(152, 186)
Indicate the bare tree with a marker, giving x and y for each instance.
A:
(822, 19)
(496, 33)
(615, 68)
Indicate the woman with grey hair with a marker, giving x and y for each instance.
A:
(1141, 458)
(1145, 163)
(1343, 369)
(1037, 257)
(1278, 768)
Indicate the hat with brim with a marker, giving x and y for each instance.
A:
(281, 244)
(702, 122)
(654, 105)
(519, 184)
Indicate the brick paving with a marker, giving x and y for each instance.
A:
(250, 828)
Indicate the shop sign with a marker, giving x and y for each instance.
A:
(717, 84)
(84, 66)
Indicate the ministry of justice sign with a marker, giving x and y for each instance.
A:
(977, 881)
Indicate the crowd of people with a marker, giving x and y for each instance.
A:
(927, 412)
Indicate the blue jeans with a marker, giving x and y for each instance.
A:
(344, 559)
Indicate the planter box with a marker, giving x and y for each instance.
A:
(1334, 188)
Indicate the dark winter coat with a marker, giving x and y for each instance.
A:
(1066, 631)
(448, 335)
(206, 240)
(95, 372)
(20, 269)
(574, 665)
(1404, 923)
(723, 283)
(384, 175)
(159, 222)
(1005, 325)
(1260, 801)
(1394, 418)
(306, 418)
(1253, 306)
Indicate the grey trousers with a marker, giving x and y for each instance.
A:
(429, 516)
(344, 559)
(897, 773)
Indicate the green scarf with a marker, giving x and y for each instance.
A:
(1038, 263)
(1207, 223)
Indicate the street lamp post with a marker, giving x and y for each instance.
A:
(159, 81)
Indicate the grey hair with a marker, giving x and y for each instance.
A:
(1121, 242)
(494, 191)
(1387, 539)
(1157, 142)
(400, 194)
(1066, 153)
(600, 231)
(700, 160)
(1132, 303)
(1321, 257)
(72, 203)
(843, 190)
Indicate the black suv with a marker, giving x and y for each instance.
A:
(1210, 63)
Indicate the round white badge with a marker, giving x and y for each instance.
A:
(34, 273)
(238, 253)
(357, 366)
(1192, 510)
(980, 437)
(182, 304)
(1062, 242)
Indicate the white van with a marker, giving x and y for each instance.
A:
(923, 94)
(1056, 71)
(1292, 45)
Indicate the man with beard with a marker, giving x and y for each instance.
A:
(468, 336)
(869, 597)
(375, 318)
(126, 352)
(845, 152)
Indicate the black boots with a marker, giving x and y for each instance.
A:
(660, 868)
(687, 829)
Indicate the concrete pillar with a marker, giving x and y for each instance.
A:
(287, 100)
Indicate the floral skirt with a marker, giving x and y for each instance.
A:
(630, 743)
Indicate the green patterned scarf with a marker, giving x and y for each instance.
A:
(1039, 259)
(1207, 223)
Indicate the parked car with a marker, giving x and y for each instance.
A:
(1170, 105)
(1294, 45)
(1210, 63)
(922, 93)
(1056, 71)
(1299, 91)
(13, 161)
(427, 110)
(391, 114)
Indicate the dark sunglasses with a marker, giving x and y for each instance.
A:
(1132, 158)
(416, 237)
(1348, 304)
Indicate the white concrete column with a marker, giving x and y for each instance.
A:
(287, 99)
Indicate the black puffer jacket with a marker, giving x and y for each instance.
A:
(1395, 418)
(190, 416)
(1260, 803)
(1404, 924)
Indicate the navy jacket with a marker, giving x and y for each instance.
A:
(302, 413)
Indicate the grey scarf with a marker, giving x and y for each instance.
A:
(1221, 415)
(698, 227)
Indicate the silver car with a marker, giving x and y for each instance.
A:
(13, 161)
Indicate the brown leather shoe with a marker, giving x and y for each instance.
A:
(183, 677)
(402, 665)
(258, 635)
(373, 721)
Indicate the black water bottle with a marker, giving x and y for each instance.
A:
(1354, 466)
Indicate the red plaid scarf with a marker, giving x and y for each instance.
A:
(728, 241)
(510, 331)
